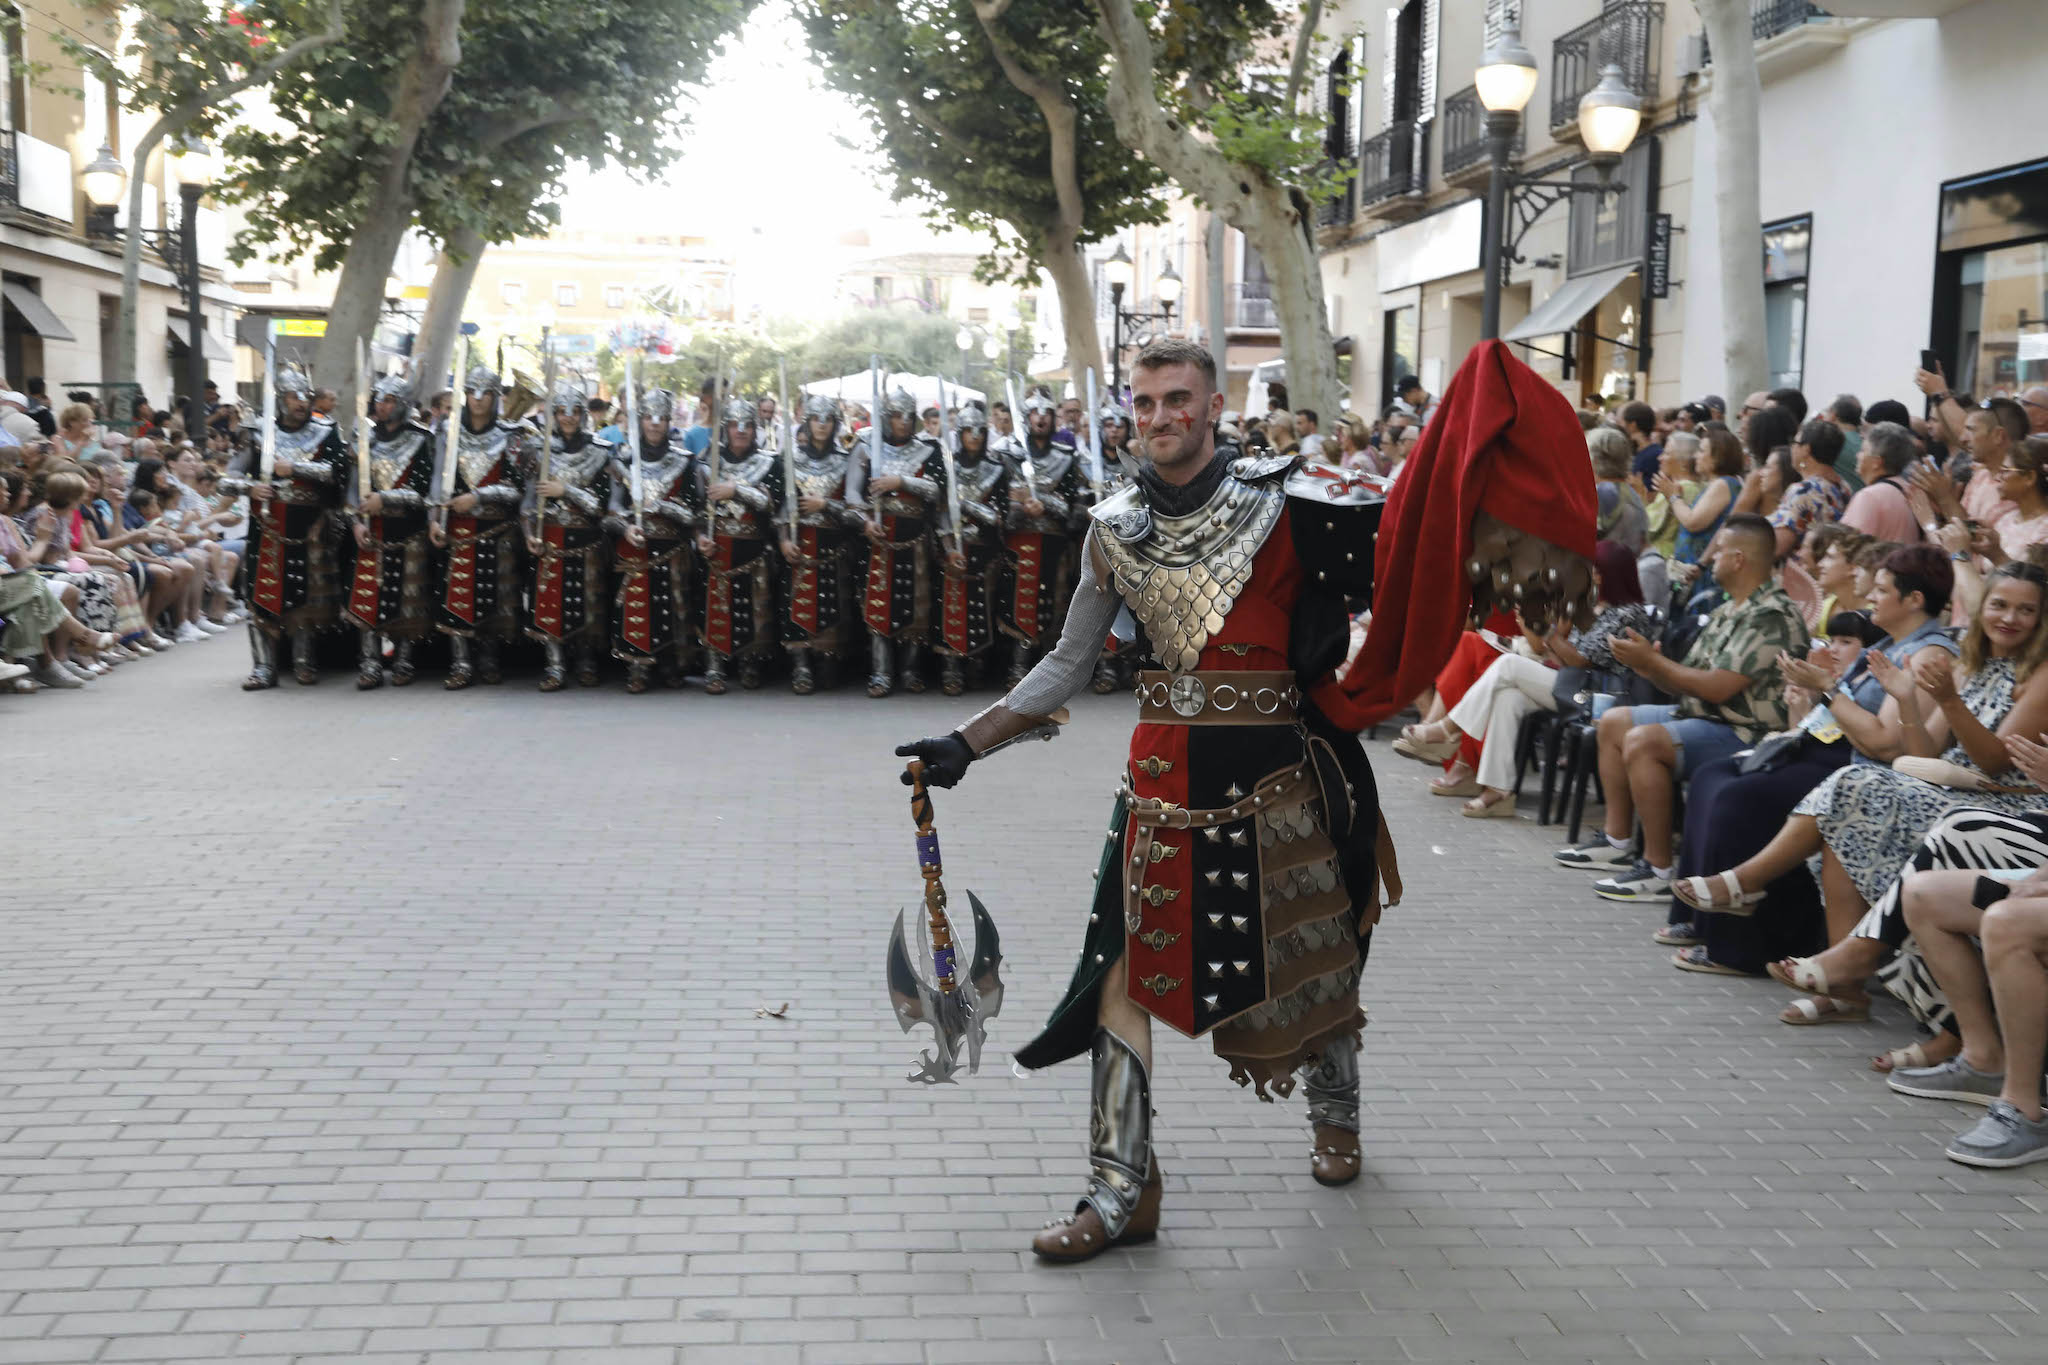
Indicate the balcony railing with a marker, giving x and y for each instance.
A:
(1464, 133)
(1629, 35)
(1769, 18)
(1251, 305)
(10, 177)
(1341, 209)
(1393, 163)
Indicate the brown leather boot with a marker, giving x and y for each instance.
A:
(1122, 1202)
(1335, 1161)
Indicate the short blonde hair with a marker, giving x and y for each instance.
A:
(1611, 451)
(75, 414)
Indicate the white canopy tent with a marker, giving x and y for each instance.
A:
(859, 388)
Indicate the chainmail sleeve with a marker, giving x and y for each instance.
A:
(1071, 665)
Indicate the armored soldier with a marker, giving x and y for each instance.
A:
(651, 617)
(291, 575)
(975, 562)
(393, 578)
(823, 550)
(568, 610)
(1046, 509)
(1240, 881)
(735, 538)
(899, 483)
(479, 603)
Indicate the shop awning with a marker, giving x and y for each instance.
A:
(35, 312)
(1561, 311)
(209, 344)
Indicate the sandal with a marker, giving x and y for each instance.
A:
(1695, 959)
(1479, 808)
(1900, 1058)
(1699, 893)
(1677, 936)
(1414, 744)
(1468, 785)
(1824, 1009)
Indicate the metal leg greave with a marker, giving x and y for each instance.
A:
(369, 660)
(554, 673)
(402, 669)
(304, 666)
(488, 666)
(262, 660)
(881, 666)
(910, 676)
(714, 673)
(461, 673)
(1120, 1132)
(586, 667)
(1331, 1086)
(801, 680)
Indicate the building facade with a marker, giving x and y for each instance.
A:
(60, 266)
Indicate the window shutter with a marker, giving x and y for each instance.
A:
(1425, 78)
(1357, 100)
(1388, 57)
(1321, 105)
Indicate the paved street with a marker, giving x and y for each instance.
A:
(417, 1028)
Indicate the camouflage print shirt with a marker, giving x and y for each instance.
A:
(1747, 637)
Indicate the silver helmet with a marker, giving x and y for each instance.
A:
(482, 379)
(1037, 401)
(1111, 412)
(569, 395)
(820, 405)
(900, 402)
(743, 412)
(291, 382)
(393, 386)
(657, 403)
(971, 417)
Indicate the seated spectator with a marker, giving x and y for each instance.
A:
(1638, 426)
(1866, 821)
(1513, 685)
(1729, 695)
(1833, 548)
(1280, 435)
(1845, 414)
(77, 438)
(1843, 715)
(2022, 487)
(1818, 495)
(1354, 449)
(1996, 998)
(1718, 470)
(61, 645)
(1881, 509)
(1681, 454)
(1792, 402)
(1773, 478)
(1622, 517)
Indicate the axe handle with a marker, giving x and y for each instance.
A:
(929, 865)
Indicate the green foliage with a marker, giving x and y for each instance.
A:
(961, 139)
(908, 341)
(542, 84)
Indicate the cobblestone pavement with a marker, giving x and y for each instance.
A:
(425, 1031)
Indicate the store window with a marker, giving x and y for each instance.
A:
(1991, 281)
(1786, 248)
(1400, 342)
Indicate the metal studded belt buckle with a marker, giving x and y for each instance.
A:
(1187, 697)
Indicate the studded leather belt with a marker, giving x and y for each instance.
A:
(1218, 697)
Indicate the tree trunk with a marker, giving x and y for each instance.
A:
(359, 292)
(1270, 215)
(1218, 280)
(434, 348)
(1077, 313)
(1733, 99)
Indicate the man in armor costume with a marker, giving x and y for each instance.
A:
(1241, 877)
(824, 555)
(975, 562)
(651, 614)
(479, 603)
(291, 575)
(569, 553)
(902, 492)
(1046, 510)
(736, 540)
(393, 572)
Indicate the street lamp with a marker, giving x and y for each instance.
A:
(1119, 271)
(1609, 115)
(192, 164)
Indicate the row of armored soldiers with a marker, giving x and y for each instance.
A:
(967, 547)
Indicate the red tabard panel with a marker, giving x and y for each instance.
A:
(1160, 953)
(269, 594)
(547, 586)
(366, 587)
(636, 611)
(718, 596)
(881, 582)
(460, 597)
(1029, 548)
(803, 583)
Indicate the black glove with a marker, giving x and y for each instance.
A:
(945, 759)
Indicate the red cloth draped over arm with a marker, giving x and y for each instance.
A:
(1503, 441)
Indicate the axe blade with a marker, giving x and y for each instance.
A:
(955, 1018)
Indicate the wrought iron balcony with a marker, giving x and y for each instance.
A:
(1337, 211)
(1464, 137)
(10, 176)
(1769, 18)
(1251, 306)
(1393, 170)
(1629, 35)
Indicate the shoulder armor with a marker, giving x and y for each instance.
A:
(1123, 514)
(1328, 484)
(1259, 468)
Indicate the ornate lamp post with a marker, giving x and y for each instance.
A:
(1119, 271)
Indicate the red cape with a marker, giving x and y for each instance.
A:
(1503, 441)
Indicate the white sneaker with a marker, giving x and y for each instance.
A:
(210, 626)
(53, 674)
(10, 670)
(82, 672)
(157, 642)
(189, 634)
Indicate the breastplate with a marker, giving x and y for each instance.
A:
(905, 461)
(819, 477)
(391, 457)
(977, 483)
(1047, 469)
(576, 468)
(730, 515)
(1182, 575)
(303, 446)
(478, 452)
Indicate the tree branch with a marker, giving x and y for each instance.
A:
(556, 114)
(1297, 70)
(1053, 106)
